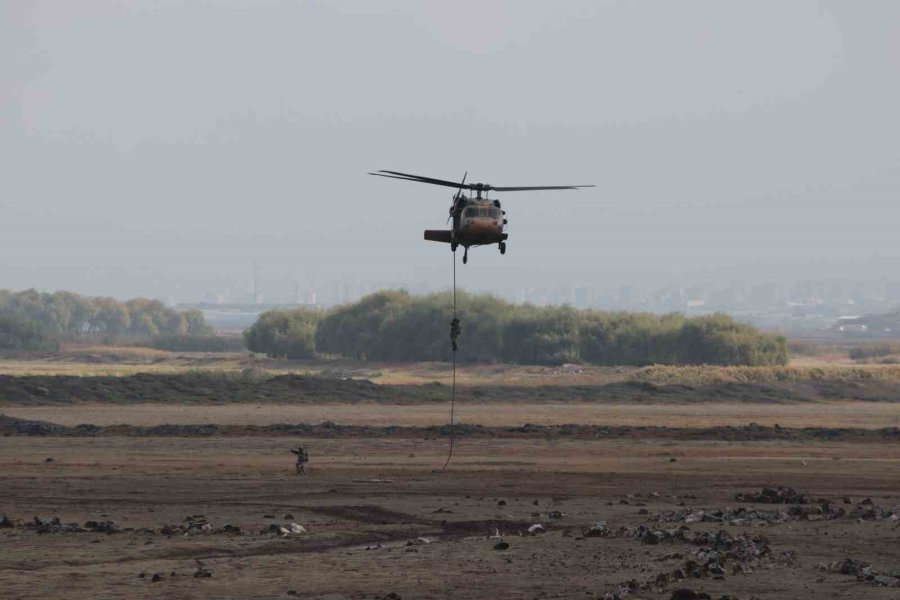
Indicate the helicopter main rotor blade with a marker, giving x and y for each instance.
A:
(462, 183)
(419, 178)
(539, 187)
(473, 186)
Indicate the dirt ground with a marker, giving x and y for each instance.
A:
(381, 517)
(859, 414)
(376, 517)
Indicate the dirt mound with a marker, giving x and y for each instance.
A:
(16, 426)
(224, 388)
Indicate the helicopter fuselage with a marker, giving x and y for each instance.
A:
(478, 223)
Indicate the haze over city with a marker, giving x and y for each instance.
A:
(162, 148)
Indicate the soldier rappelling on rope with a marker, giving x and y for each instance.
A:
(455, 330)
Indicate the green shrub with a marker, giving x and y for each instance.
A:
(198, 343)
(19, 333)
(395, 326)
(284, 333)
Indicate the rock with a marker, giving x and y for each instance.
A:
(48, 459)
(233, 529)
(288, 517)
(501, 546)
(296, 528)
(598, 529)
(501, 503)
(848, 566)
(156, 577)
(419, 541)
(536, 529)
(102, 527)
(778, 495)
(673, 459)
(554, 514)
(885, 581)
(201, 572)
(391, 596)
(5, 521)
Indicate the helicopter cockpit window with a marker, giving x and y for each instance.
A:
(493, 213)
(470, 212)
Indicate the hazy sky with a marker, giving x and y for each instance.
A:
(160, 147)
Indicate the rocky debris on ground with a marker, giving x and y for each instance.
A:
(718, 554)
(554, 514)
(735, 516)
(5, 521)
(54, 525)
(191, 525)
(776, 495)
(598, 529)
(816, 511)
(653, 536)
(202, 572)
(863, 572)
(501, 546)
(285, 529)
(536, 529)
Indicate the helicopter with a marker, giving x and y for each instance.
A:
(477, 221)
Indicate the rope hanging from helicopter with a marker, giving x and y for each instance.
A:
(454, 328)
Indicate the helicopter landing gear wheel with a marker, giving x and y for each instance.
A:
(502, 247)
(453, 246)
(466, 255)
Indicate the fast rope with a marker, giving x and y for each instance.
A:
(453, 384)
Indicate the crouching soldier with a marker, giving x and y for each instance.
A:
(302, 459)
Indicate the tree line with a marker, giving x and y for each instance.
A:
(396, 326)
(69, 315)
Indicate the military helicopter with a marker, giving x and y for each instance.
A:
(477, 221)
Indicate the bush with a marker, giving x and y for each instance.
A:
(284, 333)
(64, 314)
(20, 333)
(198, 343)
(873, 351)
(395, 326)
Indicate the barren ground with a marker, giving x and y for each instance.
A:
(382, 517)
(363, 500)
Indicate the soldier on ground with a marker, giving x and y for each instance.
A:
(302, 459)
